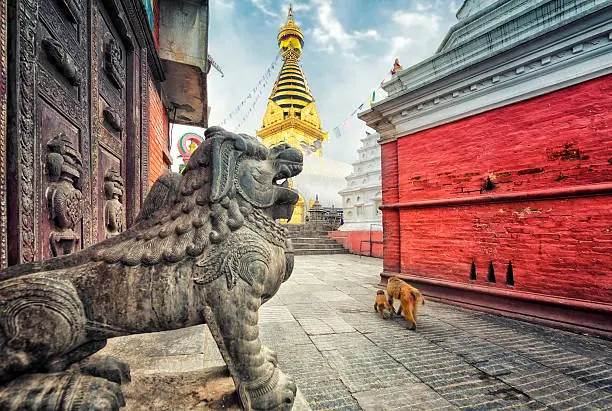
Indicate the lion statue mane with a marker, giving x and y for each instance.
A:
(206, 248)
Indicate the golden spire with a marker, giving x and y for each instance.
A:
(291, 115)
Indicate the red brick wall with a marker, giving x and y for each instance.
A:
(556, 140)
(159, 157)
(559, 246)
(391, 227)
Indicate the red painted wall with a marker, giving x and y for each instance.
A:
(556, 140)
(391, 222)
(351, 240)
(159, 157)
(561, 247)
(558, 247)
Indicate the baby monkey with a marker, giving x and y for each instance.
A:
(409, 298)
(382, 305)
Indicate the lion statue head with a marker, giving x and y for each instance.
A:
(230, 178)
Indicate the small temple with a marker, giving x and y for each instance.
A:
(291, 117)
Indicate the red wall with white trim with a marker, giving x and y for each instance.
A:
(558, 246)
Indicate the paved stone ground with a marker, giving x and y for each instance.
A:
(344, 357)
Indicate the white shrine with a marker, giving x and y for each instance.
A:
(363, 193)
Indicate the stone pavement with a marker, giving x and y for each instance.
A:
(343, 356)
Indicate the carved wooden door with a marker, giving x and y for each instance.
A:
(75, 65)
(63, 127)
(47, 153)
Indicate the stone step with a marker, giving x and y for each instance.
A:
(301, 240)
(320, 252)
(308, 234)
(318, 246)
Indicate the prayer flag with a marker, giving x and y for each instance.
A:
(337, 132)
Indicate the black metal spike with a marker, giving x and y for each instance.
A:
(491, 275)
(509, 274)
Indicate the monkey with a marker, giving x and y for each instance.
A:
(382, 305)
(409, 299)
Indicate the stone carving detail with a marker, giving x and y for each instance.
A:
(207, 248)
(113, 62)
(113, 208)
(64, 170)
(61, 60)
(113, 118)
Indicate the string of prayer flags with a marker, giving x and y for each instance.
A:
(253, 94)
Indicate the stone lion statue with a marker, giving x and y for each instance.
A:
(205, 249)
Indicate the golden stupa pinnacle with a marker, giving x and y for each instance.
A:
(290, 37)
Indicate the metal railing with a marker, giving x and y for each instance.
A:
(369, 240)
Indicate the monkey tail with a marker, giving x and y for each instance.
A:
(422, 299)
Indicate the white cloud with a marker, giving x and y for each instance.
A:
(301, 7)
(398, 45)
(263, 8)
(428, 21)
(222, 4)
(331, 35)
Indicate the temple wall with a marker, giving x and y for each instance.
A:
(159, 155)
(549, 160)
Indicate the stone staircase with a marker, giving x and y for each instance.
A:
(308, 242)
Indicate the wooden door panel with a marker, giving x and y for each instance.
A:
(111, 217)
(110, 114)
(62, 132)
(61, 230)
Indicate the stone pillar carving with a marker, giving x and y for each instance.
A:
(113, 206)
(63, 194)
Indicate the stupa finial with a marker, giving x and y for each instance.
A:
(290, 13)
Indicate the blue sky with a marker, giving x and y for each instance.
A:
(350, 46)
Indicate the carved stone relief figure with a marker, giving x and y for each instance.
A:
(113, 208)
(63, 194)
